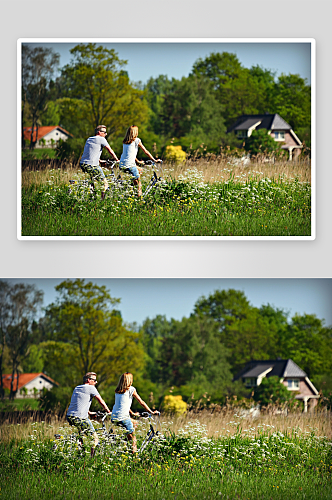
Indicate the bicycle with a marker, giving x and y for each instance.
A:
(117, 184)
(74, 442)
(153, 434)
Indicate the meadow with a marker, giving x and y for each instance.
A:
(204, 455)
(205, 197)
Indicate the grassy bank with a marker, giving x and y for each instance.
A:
(241, 458)
(195, 200)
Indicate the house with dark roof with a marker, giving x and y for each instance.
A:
(28, 383)
(276, 127)
(290, 374)
(46, 136)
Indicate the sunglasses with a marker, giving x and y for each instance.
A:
(93, 380)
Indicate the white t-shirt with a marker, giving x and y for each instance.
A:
(129, 153)
(123, 404)
(81, 400)
(92, 150)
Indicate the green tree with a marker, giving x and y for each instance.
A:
(19, 307)
(221, 68)
(271, 390)
(154, 91)
(237, 89)
(190, 108)
(153, 332)
(86, 334)
(192, 354)
(35, 360)
(51, 115)
(38, 67)
(242, 329)
(293, 101)
(100, 91)
(309, 344)
(261, 142)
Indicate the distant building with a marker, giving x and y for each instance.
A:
(276, 126)
(290, 374)
(30, 381)
(47, 136)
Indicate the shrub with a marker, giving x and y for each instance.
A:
(72, 149)
(175, 154)
(261, 142)
(174, 404)
(58, 398)
(271, 390)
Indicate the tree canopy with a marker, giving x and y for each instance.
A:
(82, 330)
(94, 88)
(98, 91)
(86, 333)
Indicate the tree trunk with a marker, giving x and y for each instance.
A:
(22, 126)
(2, 392)
(12, 392)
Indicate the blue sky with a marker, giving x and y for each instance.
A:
(175, 298)
(175, 60)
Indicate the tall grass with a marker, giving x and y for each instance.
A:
(216, 424)
(197, 199)
(208, 456)
(212, 170)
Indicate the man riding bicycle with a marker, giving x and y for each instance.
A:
(80, 403)
(89, 161)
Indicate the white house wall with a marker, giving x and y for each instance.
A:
(55, 134)
(38, 383)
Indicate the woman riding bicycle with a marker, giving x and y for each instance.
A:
(131, 143)
(124, 394)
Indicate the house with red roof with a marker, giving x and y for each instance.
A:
(29, 381)
(46, 136)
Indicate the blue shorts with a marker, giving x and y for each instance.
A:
(126, 424)
(94, 172)
(131, 170)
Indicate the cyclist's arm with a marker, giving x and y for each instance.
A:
(142, 403)
(111, 152)
(147, 153)
(103, 404)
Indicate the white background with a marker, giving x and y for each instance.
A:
(171, 18)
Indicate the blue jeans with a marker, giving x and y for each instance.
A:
(126, 424)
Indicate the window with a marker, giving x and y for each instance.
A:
(251, 382)
(241, 134)
(293, 384)
(279, 136)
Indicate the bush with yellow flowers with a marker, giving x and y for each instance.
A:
(174, 404)
(175, 154)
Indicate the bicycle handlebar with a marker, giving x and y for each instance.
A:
(102, 414)
(146, 414)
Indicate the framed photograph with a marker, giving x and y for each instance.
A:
(176, 139)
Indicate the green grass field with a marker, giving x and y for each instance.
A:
(19, 404)
(246, 205)
(249, 462)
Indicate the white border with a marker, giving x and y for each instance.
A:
(312, 41)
